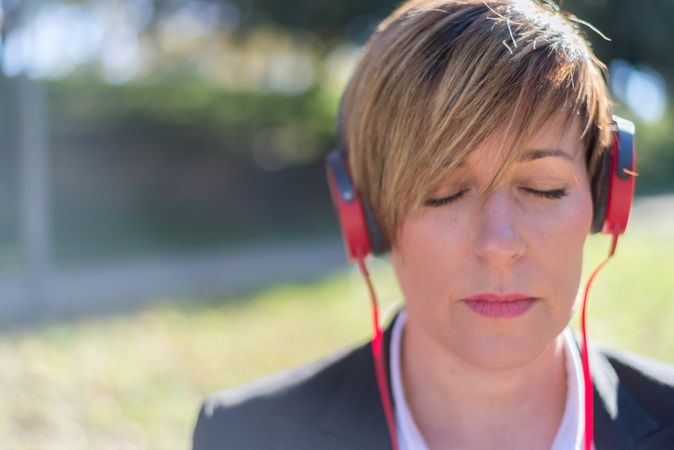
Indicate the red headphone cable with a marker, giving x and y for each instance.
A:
(379, 360)
(584, 354)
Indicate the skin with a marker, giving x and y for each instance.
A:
(476, 382)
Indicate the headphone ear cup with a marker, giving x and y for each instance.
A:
(617, 190)
(350, 210)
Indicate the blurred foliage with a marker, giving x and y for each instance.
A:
(176, 165)
(639, 32)
(655, 155)
(195, 111)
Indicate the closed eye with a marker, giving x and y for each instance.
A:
(552, 194)
(435, 202)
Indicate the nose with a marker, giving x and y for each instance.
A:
(498, 241)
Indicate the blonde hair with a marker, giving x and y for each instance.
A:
(439, 76)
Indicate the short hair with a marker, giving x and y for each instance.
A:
(437, 77)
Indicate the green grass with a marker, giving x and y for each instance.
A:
(632, 301)
(135, 381)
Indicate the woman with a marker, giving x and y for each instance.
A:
(476, 135)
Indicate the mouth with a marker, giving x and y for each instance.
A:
(500, 306)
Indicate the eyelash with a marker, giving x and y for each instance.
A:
(554, 194)
(435, 202)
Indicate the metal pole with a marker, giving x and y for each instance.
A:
(34, 191)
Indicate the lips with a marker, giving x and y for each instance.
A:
(500, 306)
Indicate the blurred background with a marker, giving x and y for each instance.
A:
(165, 227)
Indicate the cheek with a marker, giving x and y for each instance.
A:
(568, 217)
(557, 241)
(424, 255)
(430, 251)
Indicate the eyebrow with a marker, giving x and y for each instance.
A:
(538, 154)
(533, 155)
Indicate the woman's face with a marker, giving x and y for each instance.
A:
(525, 239)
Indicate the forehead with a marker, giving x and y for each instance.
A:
(558, 131)
(558, 137)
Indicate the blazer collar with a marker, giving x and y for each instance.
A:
(366, 423)
(354, 417)
(619, 419)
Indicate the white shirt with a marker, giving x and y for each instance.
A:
(569, 435)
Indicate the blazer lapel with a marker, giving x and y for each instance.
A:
(357, 410)
(620, 422)
(354, 419)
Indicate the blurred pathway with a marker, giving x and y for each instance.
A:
(126, 285)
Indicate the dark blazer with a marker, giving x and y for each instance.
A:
(334, 404)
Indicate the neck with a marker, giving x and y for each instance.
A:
(458, 405)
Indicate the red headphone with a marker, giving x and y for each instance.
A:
(362, 236)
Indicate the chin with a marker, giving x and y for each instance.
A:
(502, 351)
